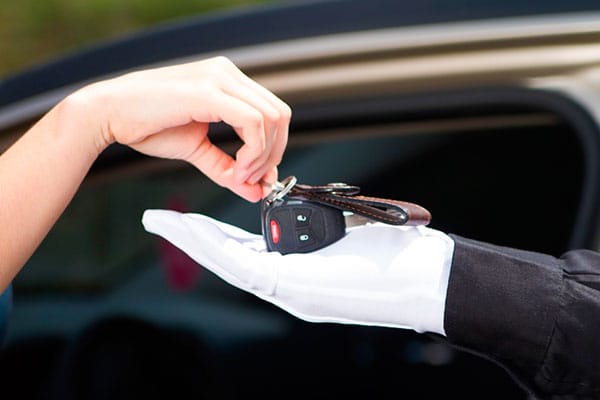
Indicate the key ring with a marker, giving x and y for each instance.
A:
(341, 189)
(336, 188)
(286, 185)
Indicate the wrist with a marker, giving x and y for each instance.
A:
(81, 113)
(502, 301)
(434, 264)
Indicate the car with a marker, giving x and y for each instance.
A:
(487, 114)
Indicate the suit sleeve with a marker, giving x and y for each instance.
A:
(536, 315)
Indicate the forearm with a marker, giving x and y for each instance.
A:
(534, 314)
(39, 175)
(163, 112)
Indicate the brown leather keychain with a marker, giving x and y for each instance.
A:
(300, 218)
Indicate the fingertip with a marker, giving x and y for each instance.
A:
(240, 175)
(252, 193)
(272, 174)
(152, 220)
(255, 178)
(257, 193)
(247, 158)
(266, 191)
(269, 176)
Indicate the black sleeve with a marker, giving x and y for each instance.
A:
(536, 315)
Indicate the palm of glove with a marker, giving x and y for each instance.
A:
(376, 275)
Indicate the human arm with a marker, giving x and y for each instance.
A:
(534, 314)
(162, 112)
(538, 316)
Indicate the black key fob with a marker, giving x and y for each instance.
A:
(298, 226)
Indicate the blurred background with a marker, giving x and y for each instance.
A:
(486, 113)
(34, 31)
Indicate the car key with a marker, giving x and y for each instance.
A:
(298, 226)
(300, 218)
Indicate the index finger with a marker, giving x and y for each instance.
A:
(249, 124)
(219, 167)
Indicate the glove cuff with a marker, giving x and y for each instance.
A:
(430, 310)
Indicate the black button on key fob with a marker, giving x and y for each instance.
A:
(298, 226)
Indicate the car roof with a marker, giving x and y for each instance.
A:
(255, 25)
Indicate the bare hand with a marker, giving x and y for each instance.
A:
(166, 112)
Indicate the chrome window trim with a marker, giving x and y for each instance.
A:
(509, 30)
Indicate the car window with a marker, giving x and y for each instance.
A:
(479, 184)
(99, 281)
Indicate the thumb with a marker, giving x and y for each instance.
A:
(233, 254)
(168, 225)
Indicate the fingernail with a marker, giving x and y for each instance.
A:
(242, 175)
(253, 179)
(255, 195)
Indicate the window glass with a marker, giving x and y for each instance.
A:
(478, 184)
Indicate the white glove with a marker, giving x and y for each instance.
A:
(377, 274)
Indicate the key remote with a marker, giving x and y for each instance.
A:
(299, 226)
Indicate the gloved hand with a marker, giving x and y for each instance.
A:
(377, 274)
